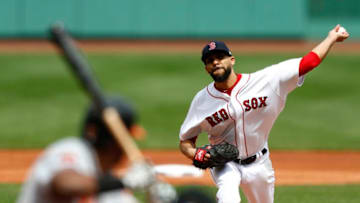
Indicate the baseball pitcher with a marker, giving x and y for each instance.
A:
(238, 110)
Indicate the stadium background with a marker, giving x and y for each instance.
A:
(149, 51)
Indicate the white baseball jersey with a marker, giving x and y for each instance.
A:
(70, 153)
(245, 117)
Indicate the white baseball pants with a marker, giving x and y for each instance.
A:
(257, 181)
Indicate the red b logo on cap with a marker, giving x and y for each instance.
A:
(212, 46)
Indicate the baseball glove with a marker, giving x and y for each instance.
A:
(220, 154)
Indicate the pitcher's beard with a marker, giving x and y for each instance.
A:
(223, 77)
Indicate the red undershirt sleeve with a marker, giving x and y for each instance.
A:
(308, 62)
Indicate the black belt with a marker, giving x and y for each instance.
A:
(250, 159)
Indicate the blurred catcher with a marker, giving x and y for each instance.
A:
(78, 169)
(240, 109)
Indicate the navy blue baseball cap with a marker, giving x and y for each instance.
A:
(215, 46)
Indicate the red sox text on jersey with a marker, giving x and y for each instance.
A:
(222, 115)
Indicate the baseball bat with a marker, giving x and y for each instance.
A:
(81, 69)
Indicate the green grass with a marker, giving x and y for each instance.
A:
(41, 102)
(283, 194)
(8, 192)
(316, 194)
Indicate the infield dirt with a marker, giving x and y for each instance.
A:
(174, 46)
(291, 167)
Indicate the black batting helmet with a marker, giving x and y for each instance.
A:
(95, 130)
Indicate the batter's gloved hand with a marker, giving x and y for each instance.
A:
(220, 154)
(139, 176)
